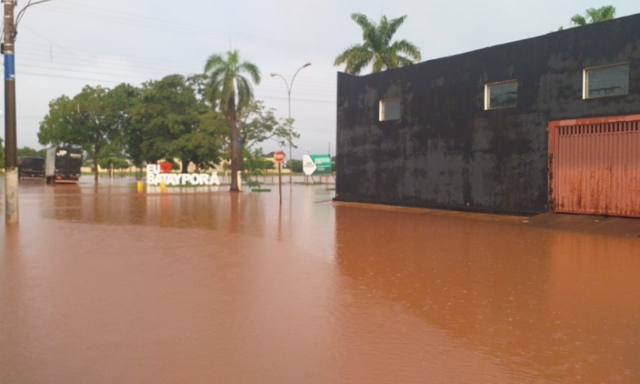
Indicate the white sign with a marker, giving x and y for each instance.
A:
(308, 166)
(155, 177)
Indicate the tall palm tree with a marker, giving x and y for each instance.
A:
(593, 15)
(378, 48)
(226, 84)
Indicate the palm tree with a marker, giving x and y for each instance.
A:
(593, 15)
(378, 48)
(226, 84)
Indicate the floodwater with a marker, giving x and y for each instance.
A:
(104, 285)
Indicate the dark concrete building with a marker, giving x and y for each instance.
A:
(471, 132)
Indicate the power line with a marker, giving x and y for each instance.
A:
(128, 62)
(70, 77)
(89, 52)
(139, 20)
(137, 70)
(120, 77)
(268, 97)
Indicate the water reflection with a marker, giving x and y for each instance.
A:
(119, 287)
(549, 306)
(305, 216)
(105, 285)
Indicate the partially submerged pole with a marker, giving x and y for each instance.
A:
(11, 153)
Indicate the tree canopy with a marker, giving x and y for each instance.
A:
(256, 164)
(91, 120)
(227, 82)
(28, 151)
(378, 48)
(171, 122)
(593, 15)
(162, 119)
(116, 162)
(177, 117)
(258, 124)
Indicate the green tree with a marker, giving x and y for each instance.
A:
(256, 164)
(593, 15)
(295, 165)
(204, 144)
(170, 122)
(116, 162)
(226, 84)
(124, 98)
(28, 151)
(93, 119)
(378, 47)
(58, 126)
(259, 124)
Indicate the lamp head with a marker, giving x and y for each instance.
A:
(306, 64)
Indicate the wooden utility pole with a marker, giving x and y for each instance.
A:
(11, 153)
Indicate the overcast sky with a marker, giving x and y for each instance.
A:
(64, 45)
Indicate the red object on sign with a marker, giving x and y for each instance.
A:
(165, 167)
(278, 156)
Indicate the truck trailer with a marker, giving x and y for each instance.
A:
(30, 167)
(63, 165)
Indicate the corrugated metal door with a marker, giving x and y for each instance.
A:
(594, 166)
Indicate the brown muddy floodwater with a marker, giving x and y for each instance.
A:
(203, 286)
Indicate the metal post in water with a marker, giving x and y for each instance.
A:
(280, 181)
(11, 154)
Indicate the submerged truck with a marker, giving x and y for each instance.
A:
(63, 165)
(30, 167)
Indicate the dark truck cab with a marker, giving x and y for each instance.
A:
(63, 165)
(30, 167)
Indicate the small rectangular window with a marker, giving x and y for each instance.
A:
(501, 95)
(390, 109)
(612, 80)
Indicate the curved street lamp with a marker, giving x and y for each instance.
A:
(289, 85)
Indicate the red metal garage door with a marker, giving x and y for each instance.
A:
(594, 166)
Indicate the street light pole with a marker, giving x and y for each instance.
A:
(11, 153)
(289, 85)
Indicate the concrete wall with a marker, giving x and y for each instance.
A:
(447, 151)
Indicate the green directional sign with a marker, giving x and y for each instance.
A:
(323, 164)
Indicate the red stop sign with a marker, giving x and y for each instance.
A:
(278, 156)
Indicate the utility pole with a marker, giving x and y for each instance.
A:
(11, 153)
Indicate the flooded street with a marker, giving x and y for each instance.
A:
(104, 285)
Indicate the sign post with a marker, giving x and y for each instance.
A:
(278, 156)
(316, 164)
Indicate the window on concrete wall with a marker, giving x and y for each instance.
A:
(611, 80)
(390, 109)
(501, 95)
